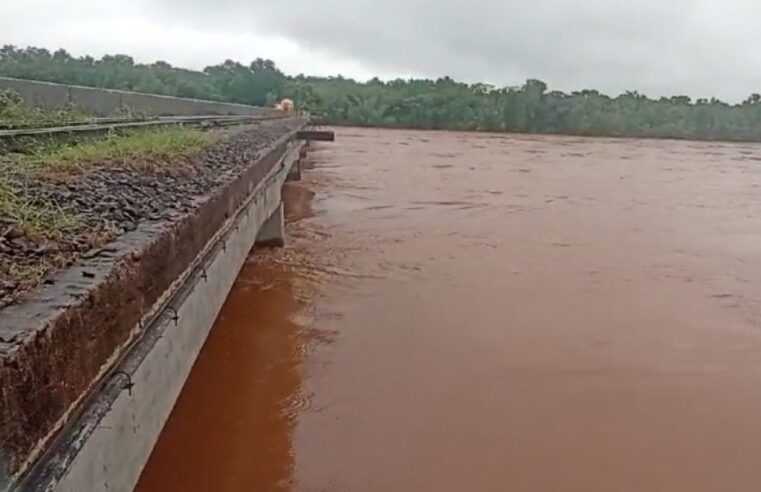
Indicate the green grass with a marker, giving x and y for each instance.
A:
(38, 221)
(142, 149)
(49, 224)
(45, 225)
(147, 150)
(14, 113)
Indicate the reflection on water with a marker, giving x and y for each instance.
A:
(484, 312)
(232, 427)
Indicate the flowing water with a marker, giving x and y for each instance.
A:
(459, 312)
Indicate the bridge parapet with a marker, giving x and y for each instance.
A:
(106, 102)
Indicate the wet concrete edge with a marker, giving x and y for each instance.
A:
(54, 348)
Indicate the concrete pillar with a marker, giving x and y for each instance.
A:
(295, 174)
(272, 232)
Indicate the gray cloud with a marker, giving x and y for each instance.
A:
(698, 47)
(702, 48)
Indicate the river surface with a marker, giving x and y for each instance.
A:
(478, 312)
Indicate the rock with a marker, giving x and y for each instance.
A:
(8, 285)
(13, 232)
(45, 249)
(114, 199)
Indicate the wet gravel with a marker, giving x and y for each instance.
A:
(114, 198)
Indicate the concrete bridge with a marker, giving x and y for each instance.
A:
(106, 102)
(91, 366)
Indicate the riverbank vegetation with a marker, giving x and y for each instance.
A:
(429, 104)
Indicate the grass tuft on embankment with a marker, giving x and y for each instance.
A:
(14, 113)
(37, 220)
(39, 226)
(43, 232)
(145, 149)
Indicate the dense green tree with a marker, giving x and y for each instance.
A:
(436, 104)
(229, 81)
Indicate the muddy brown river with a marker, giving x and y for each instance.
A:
(477, 312)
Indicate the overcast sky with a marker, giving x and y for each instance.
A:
(702, 48)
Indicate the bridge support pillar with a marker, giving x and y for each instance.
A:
(272, 232)
(295, 174)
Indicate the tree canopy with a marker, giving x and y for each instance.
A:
(415, 103)
(229, 81)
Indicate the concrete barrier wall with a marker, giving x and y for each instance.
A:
(100, 102)
(112, 439)
(106, 102)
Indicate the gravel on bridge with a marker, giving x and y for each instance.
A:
(111, 198)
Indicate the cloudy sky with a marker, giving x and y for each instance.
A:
(702, 48)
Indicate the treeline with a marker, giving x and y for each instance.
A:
(258, 83)
(430, 104)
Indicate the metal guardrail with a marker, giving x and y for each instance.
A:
(88, 121)
(100, 126)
